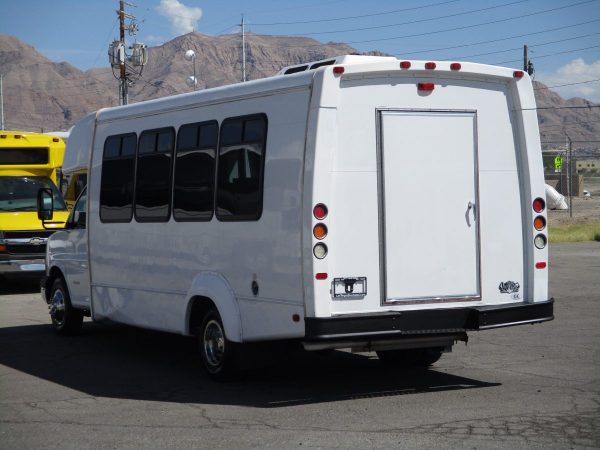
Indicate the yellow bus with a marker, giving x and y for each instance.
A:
(28, 162)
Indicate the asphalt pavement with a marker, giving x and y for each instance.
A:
(533, 386)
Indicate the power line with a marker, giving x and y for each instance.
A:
(383, 13)
(567, 84)
(496, 40)
(520, 48)
(550, 54)
(446, 30)
(410, 22)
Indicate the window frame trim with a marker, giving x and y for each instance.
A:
(261, 181)
(121, 136)
(171, 174)
(214, 181)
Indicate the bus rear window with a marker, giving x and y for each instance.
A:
(23, 156)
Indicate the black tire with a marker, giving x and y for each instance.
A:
(219, 355)
(415, 357)
(66, 320)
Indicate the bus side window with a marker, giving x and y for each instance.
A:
(193, 198)
(116, 185)
(241, 168)
(153, 175)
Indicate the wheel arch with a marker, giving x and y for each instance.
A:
(211, 290)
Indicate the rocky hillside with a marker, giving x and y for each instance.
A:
(42, 95)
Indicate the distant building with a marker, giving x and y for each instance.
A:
(587, 165)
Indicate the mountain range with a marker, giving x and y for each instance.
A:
(43, 95)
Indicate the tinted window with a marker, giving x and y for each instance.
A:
(240, 168)
(23, 156)
(153, 175)
(193, 198)
(116, 185)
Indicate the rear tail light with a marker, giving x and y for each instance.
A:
(539, 223)
(320, 211)
(320, 250)
(540, 241)
(320, 231)
(539, 205)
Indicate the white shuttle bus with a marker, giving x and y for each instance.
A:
(359, 202)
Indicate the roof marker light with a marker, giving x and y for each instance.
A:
(55, 139)
(430, 65)
(518, 74)
(455, 66)
(321, 276)
(338, 70)
(405, 64)
(296, 317)
(426, 86)
(540, 265)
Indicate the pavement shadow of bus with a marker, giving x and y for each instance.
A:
(128, 363)
(19, 284)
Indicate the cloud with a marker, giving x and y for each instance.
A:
(577, 71)
(184, 19)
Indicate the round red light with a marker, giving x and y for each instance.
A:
(455, 66)
(430, 65)
(320, 211)
(539, 205)
(405, 64)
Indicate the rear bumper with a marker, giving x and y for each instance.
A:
(425, 323)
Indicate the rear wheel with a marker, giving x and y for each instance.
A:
(414, 357)
(65, 319)
(219, 355)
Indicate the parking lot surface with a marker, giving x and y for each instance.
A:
(533, 386)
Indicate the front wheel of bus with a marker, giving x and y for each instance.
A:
(217, 352)
(65, 319)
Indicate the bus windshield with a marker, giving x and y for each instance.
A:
(19, 193)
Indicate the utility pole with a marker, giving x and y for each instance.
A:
(243, 50)
(1, 103)
(118, 57)
(123, 76)
(527, 64)
(570, 175)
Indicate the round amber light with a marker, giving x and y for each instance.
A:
(320, 231)
(539, 223)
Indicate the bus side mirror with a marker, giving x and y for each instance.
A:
(45, 204)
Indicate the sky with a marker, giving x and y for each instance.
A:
(563, 36)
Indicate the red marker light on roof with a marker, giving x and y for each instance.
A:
(540, 265)
(54, 139)
(455, 66)
(518, 74)
(338, 70)
(321, 276)
(405, 64)
(430, 65)
(426, 86)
